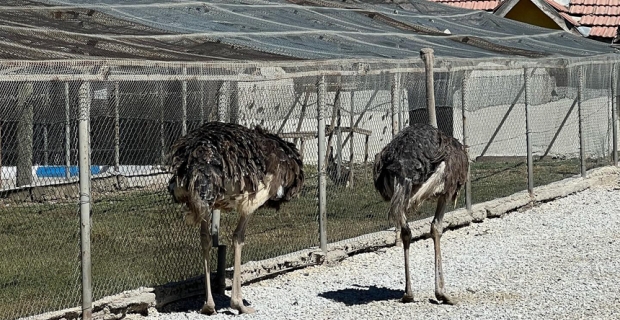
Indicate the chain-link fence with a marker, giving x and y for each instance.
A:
(127, 113)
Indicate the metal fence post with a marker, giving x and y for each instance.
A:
(582, 147)
(84, 164)
(528, 134)
(394, 103)
(117, 133)
(321, 98)
(614, 113)
(25, 134)
(464, 107)
(184, 104)
(67, 133)
(429, 61)
(162, 136)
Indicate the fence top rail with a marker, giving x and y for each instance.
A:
(112, 70)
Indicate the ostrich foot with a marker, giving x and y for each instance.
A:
(208, 309)
(238, 305)
(445, 299)
(407, 298)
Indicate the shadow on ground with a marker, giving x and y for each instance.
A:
(194, 304)
(362, 295)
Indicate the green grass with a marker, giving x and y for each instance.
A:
(139, 238)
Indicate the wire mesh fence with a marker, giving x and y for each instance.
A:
(134, 112)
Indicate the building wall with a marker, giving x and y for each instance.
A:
(526, 11)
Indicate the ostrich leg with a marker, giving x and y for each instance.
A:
(405, 234)
(436, 231)
(236, 300)
(205, 242)
(398, 213)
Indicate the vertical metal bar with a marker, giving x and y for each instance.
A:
(464, 108)
(46, 153)
(85, 224)
(117, 128)
(394, 103)
(162, 136)
(429, 61)
(528, 133)
(582, 147)
(184, 104)
(351, 149)
(321, 98)
(202, 98)
(67, 133)
(614, 114)
(338, 146)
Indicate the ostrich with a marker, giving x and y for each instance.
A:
(420, 163)
(229, 167)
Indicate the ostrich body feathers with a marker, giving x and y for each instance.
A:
(230, 167)
(421, 162)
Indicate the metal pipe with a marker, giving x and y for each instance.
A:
(429, 61)
(351, 148)
(464, 107)
(321, 97)
(67, 133)
(582, 146)
(117, 132)
(528, 134)
(162, 137)
(394, 103)
(85, 224)
(614, 114)
(184, 105)
(45, 145)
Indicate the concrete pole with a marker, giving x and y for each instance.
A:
(614, 114)
(85, 224)
(429, 61)
(464, 107)
(321, 98)
(394, 103)
(582, 146)
(25, 134)
(528, 134)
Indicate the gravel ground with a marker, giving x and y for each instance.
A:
(560, 260)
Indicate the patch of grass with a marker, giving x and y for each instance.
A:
(140, 238)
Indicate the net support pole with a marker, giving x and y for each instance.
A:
(25, 134)
(614, 114)
(162, 131)
(464, 107)
(528, 133)
(394, 103)
(351, 145)
(321, 100)
(84, 173)
(67, 133)
(428, 57)
(582, 146)
(184, 104)
(117, 132)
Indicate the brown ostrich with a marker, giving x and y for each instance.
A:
(229, 167)
(420, 163)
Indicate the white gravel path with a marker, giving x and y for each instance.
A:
(560, 260)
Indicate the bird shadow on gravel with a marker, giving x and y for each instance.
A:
(363, 295)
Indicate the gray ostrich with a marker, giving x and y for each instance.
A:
(420, 163)
(229, 167)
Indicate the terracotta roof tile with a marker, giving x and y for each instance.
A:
(570, 19)
(557, 6)
(605, 32)
(592, 20)
(471, 4)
